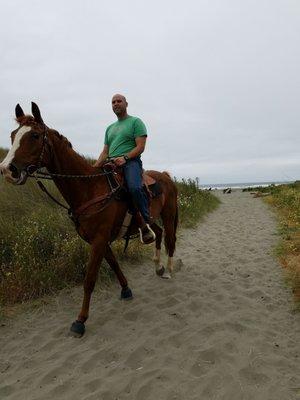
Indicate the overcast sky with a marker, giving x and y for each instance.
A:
(217, 83)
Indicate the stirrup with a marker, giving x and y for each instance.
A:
(147, 235)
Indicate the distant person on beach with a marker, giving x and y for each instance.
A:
(124, 143)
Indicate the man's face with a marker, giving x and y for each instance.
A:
(119, 104)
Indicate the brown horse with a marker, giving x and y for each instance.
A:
(99, 214)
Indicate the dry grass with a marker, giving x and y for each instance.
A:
(40, 251)
(286, 200)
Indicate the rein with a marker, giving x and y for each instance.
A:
(50, 175)
(42, 186)
(36, 173)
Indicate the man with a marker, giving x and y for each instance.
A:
(124, 143)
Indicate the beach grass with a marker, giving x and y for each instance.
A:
(193, 203)
(40, 251)
(285, 199)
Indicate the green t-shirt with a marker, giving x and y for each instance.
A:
(120, 136)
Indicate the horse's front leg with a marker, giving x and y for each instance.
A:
(98, 248)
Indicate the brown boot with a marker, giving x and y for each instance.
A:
(147, 235)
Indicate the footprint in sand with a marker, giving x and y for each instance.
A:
(222, 329)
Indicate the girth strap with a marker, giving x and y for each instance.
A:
(93, 201)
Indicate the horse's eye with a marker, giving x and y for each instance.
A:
(35, 135)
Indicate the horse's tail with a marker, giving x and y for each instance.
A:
(171, 223)
(176, 219)
(170, 234)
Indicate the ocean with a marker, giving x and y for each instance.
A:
(239, 185)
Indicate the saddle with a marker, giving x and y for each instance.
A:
(117, 183)
(118, 188)
(116, 180)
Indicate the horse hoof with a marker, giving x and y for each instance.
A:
(160, 271)
(77, 329)
(166, 275)
(126, 294)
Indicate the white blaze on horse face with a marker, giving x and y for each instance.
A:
(16, 144)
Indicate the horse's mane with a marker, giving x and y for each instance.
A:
(167, 173)
(26, 120)
(61, 137)
(30, 121)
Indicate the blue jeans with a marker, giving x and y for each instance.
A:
(133, 173)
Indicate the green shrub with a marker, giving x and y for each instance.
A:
(286, 200)
(193, 203)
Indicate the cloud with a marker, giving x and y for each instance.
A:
(216, 83)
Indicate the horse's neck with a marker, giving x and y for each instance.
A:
(66, 161)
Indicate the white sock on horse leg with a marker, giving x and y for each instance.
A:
(170, 264)
(156, 257)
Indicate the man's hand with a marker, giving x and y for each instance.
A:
(119, 161)
(102, 158)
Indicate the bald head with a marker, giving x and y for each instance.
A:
(119, 106)
(117, 96)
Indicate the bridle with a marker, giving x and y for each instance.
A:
(34, 171)
(31, 169)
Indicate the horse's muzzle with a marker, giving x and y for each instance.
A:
(13, 175)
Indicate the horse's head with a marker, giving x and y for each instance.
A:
(28, 145)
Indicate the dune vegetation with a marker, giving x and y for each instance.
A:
(193, 203)
(40, 251)
(285, 199)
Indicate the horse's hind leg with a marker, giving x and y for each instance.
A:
(126, 293)
(170, 225)
(156, 258)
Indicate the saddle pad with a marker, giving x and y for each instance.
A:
(148, 180)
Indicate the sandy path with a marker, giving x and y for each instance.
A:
(223, 328)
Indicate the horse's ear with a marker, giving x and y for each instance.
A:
(36, 113)
(19, 111)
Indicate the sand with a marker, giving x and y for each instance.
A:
(223, 328)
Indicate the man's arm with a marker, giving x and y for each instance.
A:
(140, 142)
(103, 156)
